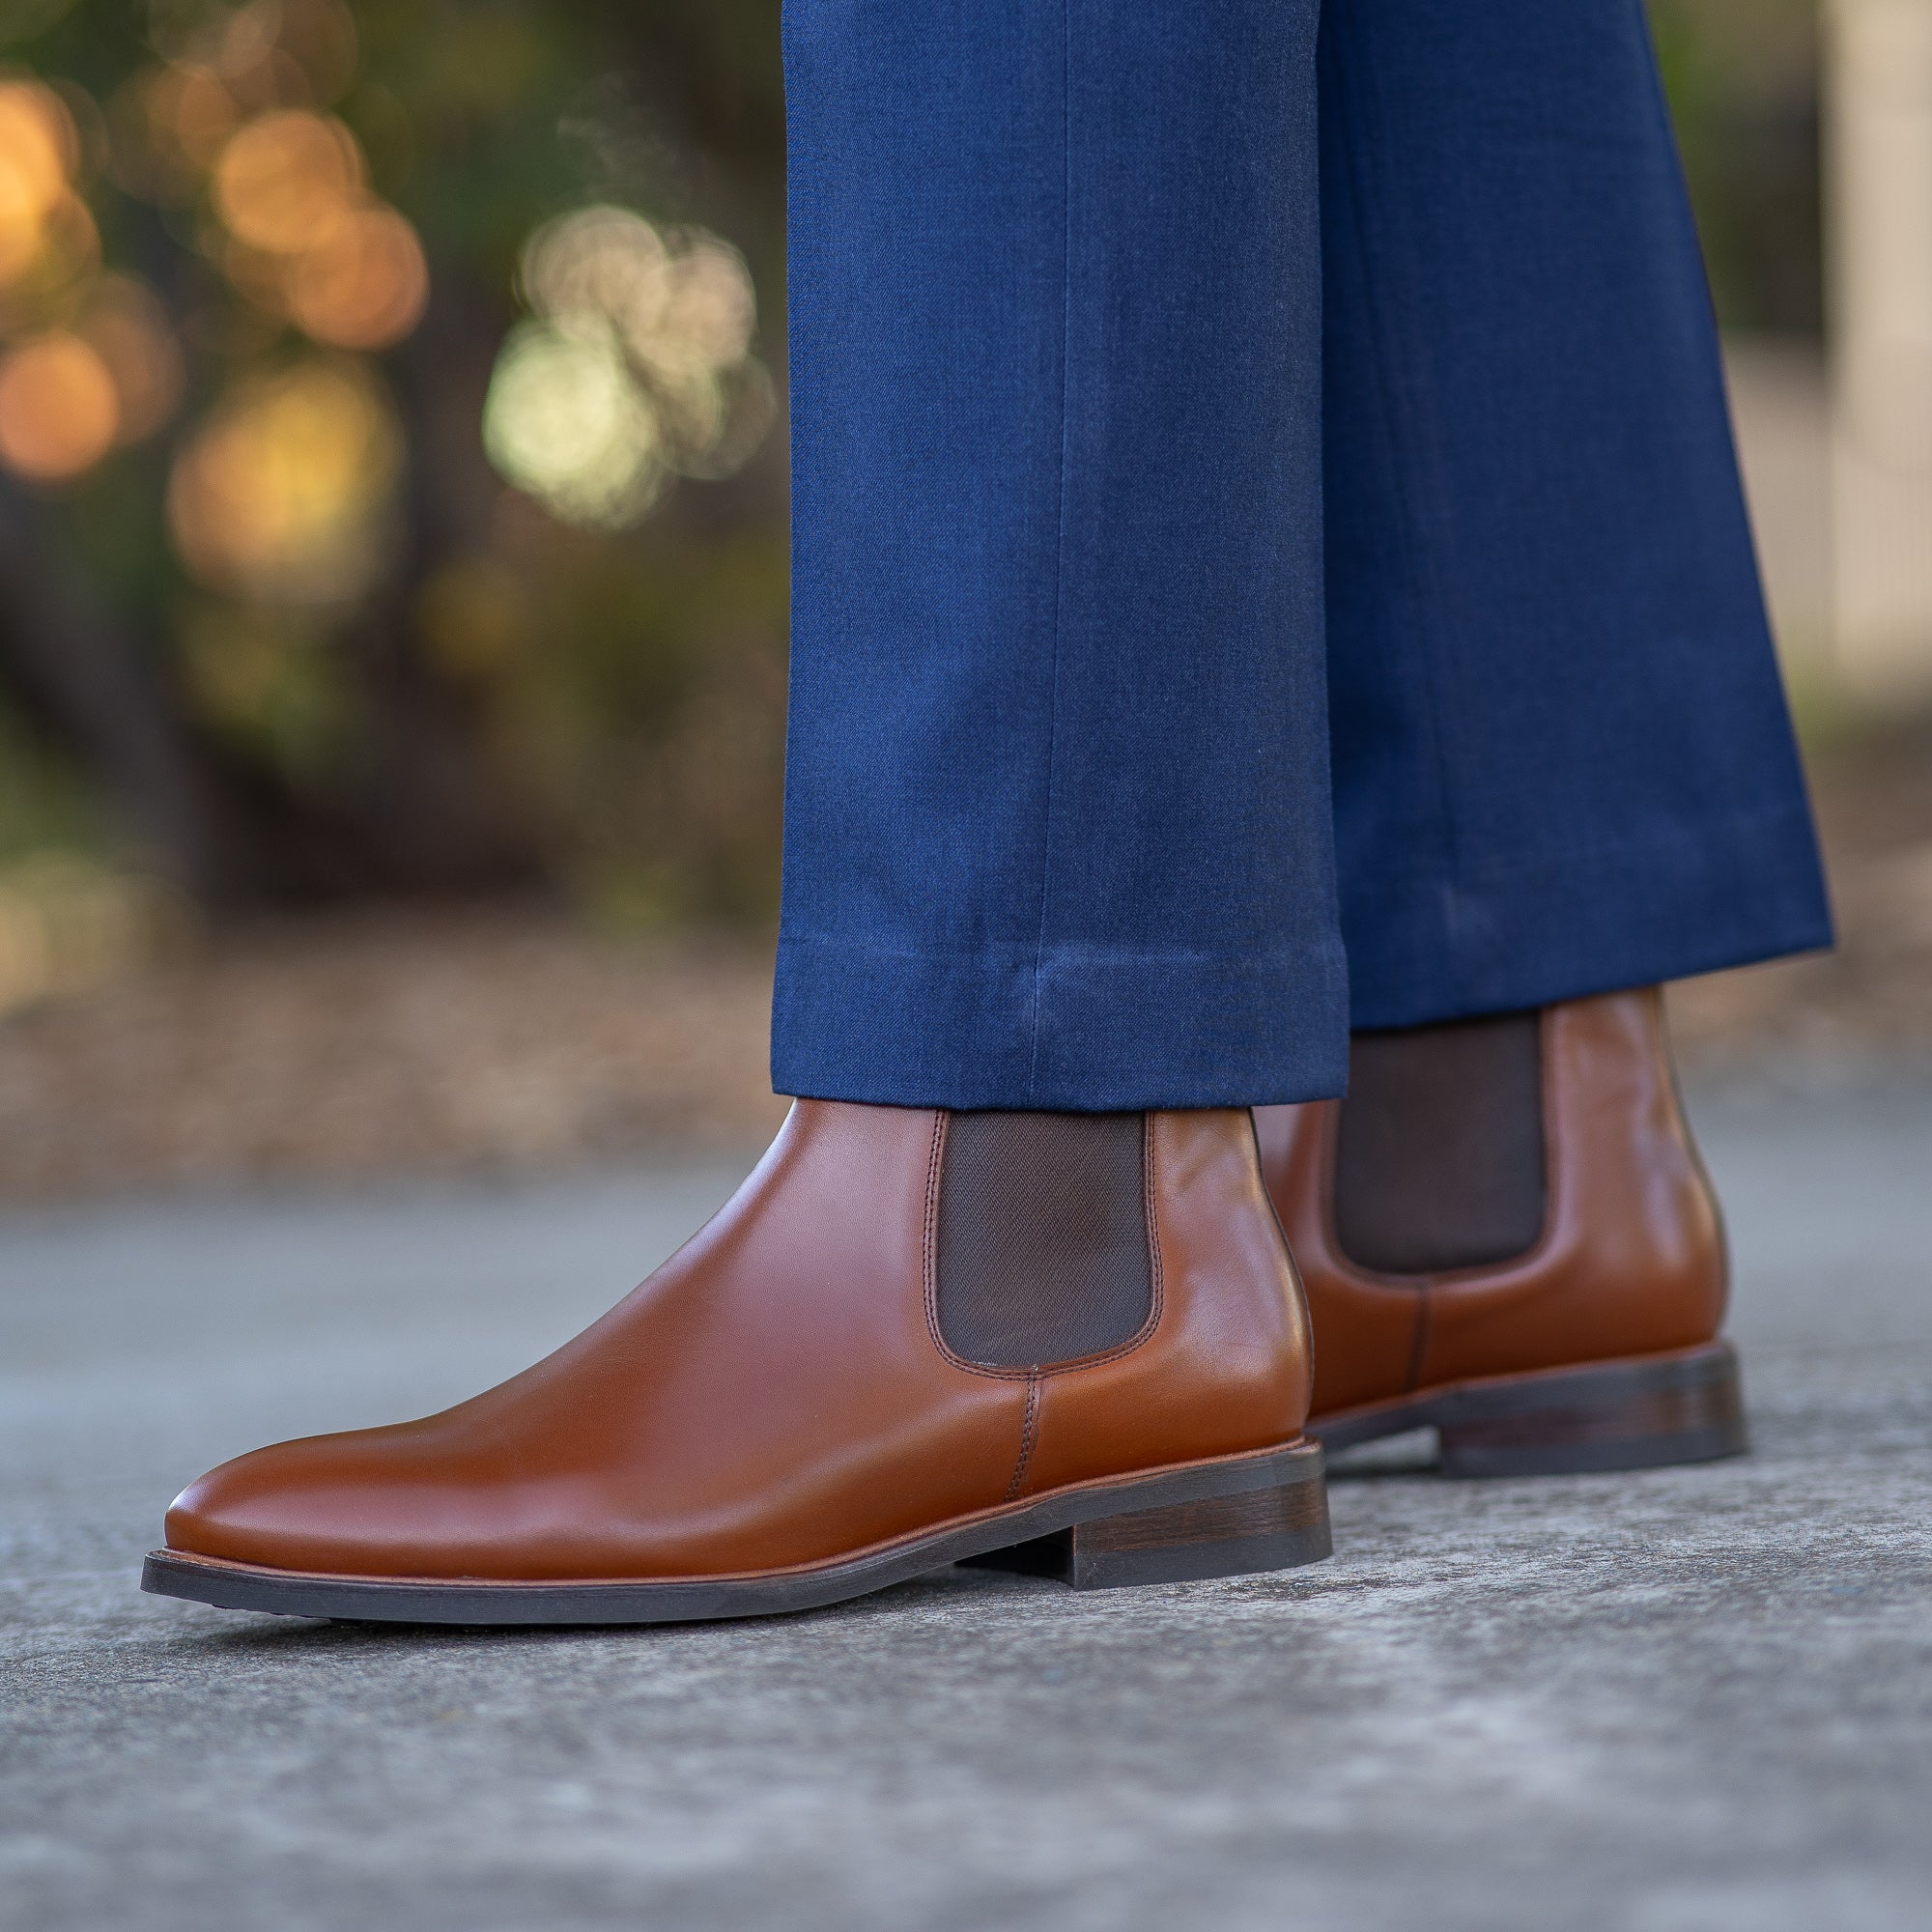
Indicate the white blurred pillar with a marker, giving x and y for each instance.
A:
(1878, 229)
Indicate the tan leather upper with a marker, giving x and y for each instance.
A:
(777, 1393)
(1632, 1256)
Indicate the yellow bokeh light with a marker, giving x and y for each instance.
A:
(69, 251)
(364, 285)
(38, 150)
(286, 180)
(282, 494)
(58, 411)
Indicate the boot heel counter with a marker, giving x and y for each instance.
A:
(1663, 1279)
(1707, 1272)
(1226, 1365)
(1233, 1336)
(1632, 1259)
(1218, 1228)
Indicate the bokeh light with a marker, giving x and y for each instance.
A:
(709, 310)
(639, 366)
(564, 421)
(279, 493)
(38, 151)
(607, 266)
(219, 220)
(307, 240)
(59, 409)
(363, 285)
(220, 68)
(284, 493)
(69, 252)
(93, 361)
(283, 181)
(37, 148)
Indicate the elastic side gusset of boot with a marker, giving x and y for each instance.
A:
(1438, 1155)
(1042, 1249)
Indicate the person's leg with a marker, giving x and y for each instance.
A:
(1057, 802)
(1056, 837)
(1562, 763)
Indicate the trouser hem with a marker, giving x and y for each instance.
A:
(1570, 925)
(1074, 1030)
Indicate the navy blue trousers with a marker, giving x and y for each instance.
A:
(1267, 549)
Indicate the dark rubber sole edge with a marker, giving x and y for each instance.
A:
(1297, 1468)
(1644, 1413)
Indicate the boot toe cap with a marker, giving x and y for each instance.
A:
(304, 1505)
(256, 1509)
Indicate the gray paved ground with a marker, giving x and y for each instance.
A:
(1682, 1702)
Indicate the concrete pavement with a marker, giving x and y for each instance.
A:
(1684, 1701)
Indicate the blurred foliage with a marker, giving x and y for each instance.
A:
(386, 497)
(386, 502)
(1743, 81)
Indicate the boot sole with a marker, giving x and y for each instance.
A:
(1642, 1412)
(1227, 1517)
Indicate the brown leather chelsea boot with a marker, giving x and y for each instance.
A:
(1070, 1344)
(1505, 1232)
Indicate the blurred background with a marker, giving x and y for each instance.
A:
(392, 562)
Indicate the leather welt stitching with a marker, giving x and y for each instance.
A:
(1029, 1435)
